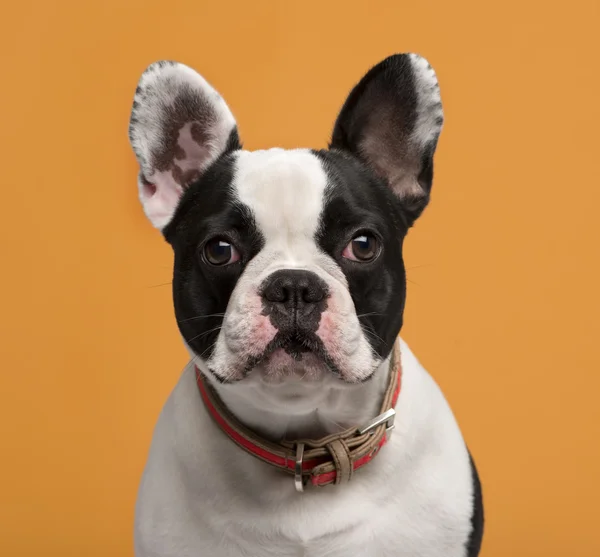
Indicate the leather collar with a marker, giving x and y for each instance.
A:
(330, 460)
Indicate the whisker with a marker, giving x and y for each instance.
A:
(163, 284)
(368, 314)
(372, 333)
(204, 334)
(201, 317)
(209, 348)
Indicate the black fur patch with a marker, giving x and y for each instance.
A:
(477, 518)
(358, 201)
(200, 292)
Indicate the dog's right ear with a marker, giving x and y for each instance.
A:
(179, 126)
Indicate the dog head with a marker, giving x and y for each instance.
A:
(288, 263)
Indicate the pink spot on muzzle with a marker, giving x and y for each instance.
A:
(327, 327)
(329, 333)
(261, 332)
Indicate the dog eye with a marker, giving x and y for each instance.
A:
(363, 248)
(219, 252)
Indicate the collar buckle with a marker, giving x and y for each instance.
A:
(387, 418)
(298, 479)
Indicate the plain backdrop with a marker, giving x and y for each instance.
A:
(503, 296)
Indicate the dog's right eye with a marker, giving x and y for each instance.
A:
(219, 252)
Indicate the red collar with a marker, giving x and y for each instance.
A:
(332, 459)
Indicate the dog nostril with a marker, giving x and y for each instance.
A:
(277, 293)
(283, 294)
(312, 295)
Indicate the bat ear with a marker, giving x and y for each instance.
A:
(391, 121)
(179, 126)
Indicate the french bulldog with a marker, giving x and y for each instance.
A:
(303, 425)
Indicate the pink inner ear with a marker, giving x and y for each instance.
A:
(192, 153)
(159, 197)
(189, 156)
(148, 190)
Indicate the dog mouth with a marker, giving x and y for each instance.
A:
(297, 345)
(292, 354)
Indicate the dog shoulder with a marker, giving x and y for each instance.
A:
(441, 481)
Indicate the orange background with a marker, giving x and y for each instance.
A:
(503, 299)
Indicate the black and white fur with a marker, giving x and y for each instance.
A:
(293, 330)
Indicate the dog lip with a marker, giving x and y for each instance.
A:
(295, 345)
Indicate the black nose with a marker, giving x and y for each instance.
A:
(296, 293)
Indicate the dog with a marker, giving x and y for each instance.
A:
(303, 424)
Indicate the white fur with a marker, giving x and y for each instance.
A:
(429, 102)
(202, 496)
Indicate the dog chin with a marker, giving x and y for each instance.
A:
(281, 366)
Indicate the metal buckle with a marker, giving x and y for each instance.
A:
(387, 417)
(298, 480)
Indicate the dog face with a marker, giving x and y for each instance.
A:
(288, 263)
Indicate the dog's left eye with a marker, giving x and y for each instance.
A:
(363, 248)
(219, 252)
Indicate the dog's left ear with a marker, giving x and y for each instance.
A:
(391, 121)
